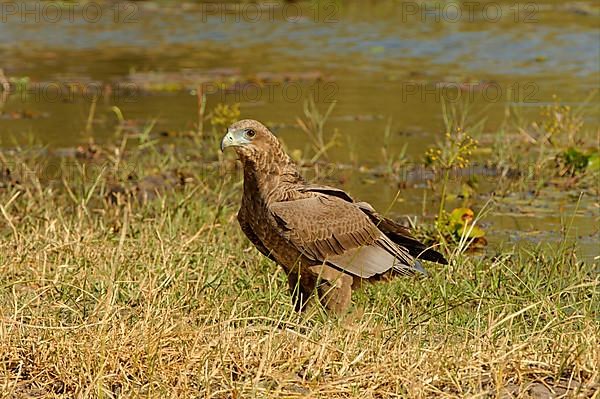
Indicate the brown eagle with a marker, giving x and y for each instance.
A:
(326, 242)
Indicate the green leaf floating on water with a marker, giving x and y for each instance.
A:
(575, 158)
(471, 231)
(460, 216)
(580, 161)
(461, 222)
(593, 164)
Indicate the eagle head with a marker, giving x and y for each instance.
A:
(249, 138)
(260, 152)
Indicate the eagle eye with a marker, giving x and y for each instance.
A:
(250, 133)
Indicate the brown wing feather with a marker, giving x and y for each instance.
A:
(331, 230)
(336, 192)
(396, 232)
(401, 236)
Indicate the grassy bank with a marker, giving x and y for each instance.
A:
(108, 289)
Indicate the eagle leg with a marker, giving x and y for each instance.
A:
(298, 291)
(334, 288)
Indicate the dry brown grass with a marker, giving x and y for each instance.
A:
(167, 299)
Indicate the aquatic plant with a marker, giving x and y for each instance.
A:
(393, 161)
(461, 224)
(201, 101)
(453, 152)
(573, 161)
(224, 115)
(313, 125)
(20, 83)
(560, 124)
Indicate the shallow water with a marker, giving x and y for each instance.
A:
(391, 60)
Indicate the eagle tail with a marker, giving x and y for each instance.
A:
(401, 236)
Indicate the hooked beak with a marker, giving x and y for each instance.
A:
(233, 138)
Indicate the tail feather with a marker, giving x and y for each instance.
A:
(400, 235)
(419, 267)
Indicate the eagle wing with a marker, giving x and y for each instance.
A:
(394, 231)
(401, 236)
(331, 230)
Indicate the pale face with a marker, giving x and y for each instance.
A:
(248, 137)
